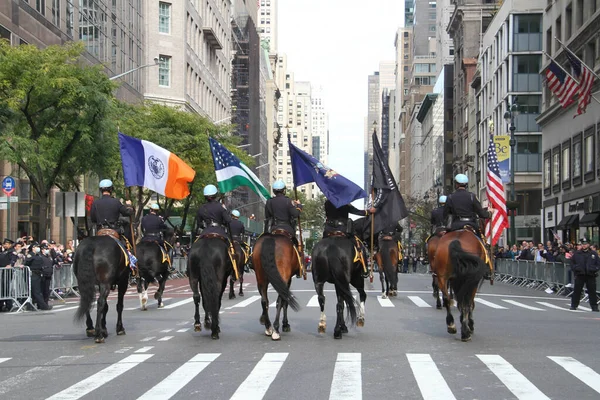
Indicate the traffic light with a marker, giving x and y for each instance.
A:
(315, 234)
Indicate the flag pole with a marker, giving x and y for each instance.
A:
(372, 235)
(133, 271)
(300, 240)
(491, 221)
(568, 73)
(577, 58)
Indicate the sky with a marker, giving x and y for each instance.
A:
(337, 44)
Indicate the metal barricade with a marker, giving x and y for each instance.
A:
(15, 286)
(64, 281)
(180, 266)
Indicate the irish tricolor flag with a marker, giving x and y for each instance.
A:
(232, 173)
(148, 165)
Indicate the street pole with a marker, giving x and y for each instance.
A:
(509, 116)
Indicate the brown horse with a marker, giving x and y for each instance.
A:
(276, 261)
(241, 258)
(461, 262)
(432, 244)
(387, 260)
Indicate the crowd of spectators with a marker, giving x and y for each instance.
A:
(540, 252)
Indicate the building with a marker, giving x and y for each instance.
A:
(320, 126)
(403, 44)
(373, 115)
(444, 46)
(267, 23)
(571, 147)
(424, 27)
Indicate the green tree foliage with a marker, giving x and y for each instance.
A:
(53, 111)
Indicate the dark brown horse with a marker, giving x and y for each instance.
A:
(276, 261)
(432, 245)
(460, 262)
(387, 260)
(241, 258)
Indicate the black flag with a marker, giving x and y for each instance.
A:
(388, 200)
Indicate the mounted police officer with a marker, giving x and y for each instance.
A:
(153, 226)
(336, 219)
(35, 262)
(212, 217)
(280, 211)
(463, 207)
(236, 227)
(437, 217)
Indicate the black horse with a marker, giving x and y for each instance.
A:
(240, 259)
(153, 265)
(100, 261)
(334, 260)
(387, 258)
(209, 266)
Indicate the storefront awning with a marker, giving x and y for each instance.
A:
(591, 219)
(569, 222)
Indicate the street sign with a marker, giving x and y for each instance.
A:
(13, 199)
(69, 204)
(8, 185)
(3, 206)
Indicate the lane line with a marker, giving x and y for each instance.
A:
(516, 382)
(177, 304)
(183, 375)
(4, 359)
(385, 302)
(554, 306)
(244, 303)
(144, 349)
(313, 302)
(257, 383)
(93, 382)
(147, 339)
(431, 383)
(419, 302)
(516, 303)
(166, 330)
(490, 304)
(166, 338)
(65, 309)
(152, 303)
(182, 323)
(580, 371)
(183, 330)
(347, 377)
(273, 304)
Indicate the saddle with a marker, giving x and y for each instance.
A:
(282, 232)
(231, 252)
(336, 234)
(115, 235)
(387, 238)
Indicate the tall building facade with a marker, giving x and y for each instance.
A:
(373, 115)
(444, 46)
(404, 57)
(267, 23)
(194, 45)
(320, 126)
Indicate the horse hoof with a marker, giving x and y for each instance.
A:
(344, 329)
(90, 332)
(206, 325)
(287, 328)
(197, 327)
(337, 335)
(99, 340)
(262, 320)
(231, 296)
(121, 332)
(361, 322)
(438, 306)
(384, 296)
(156, 296)
(161, 305)
(321, 328)
(144, 308)
(466, 339)
(269, 332)
(214, 336)
(275, 336)
(241, 294)
(452, 330)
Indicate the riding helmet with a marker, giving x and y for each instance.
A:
(106, 184)
(278, 185)
(461, 179)
(235, 213)
(210, 190)
(154, 207)
(442, 199)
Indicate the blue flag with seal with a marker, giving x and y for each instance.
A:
(338, 189)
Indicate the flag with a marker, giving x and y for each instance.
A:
(586, 80)
(388, 200)
(562, 85)
(148, 165)
(338, 189)
(232, 173)
(496, 196)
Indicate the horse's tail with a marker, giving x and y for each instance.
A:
(86, 279)
(388, 267)
(469, 271)
(269, 265)
(342, 286)
(208, 278)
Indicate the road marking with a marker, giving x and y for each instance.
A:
(273, 304)
(23, 380)
(313, 302)
(347, 378)
(385, 302)
(555, 306)
(144, 349)
(177, 304)
(123, 350)
(4, 359)
(489, 304)
(65, 309)
(580, 371)
(152, 303)
(516, 303)
(92, 383)
(182, 323)
(147, 339)
(520, 386)
(183, 330)
(173, 383)
(580, 307)
(244, 303)
(257, 383)
(164, 339)
(166, 330)
(58, 305)
(431, 382)
(418, 301)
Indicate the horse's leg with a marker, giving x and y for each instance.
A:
(141, 289)
(196, 296)
(468, 325)
(381, 279)
(89, 330)
(321, 297)
(207, 316)
(443, 284)
(231, 288)
(285, 326)
(241, 293)
(276, 335)
(264, 318)
(100, 312)
(161, 288)
(359, 284)
(436, 292)
(339, 323)
(121, 295)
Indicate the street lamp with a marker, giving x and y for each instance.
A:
(156, 62)
(509, 117)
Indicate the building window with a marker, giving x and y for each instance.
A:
(556, 167)
(529, 107)
(164, 71)
(40, 6)
(566, 162)
(528, 32)
(526, 73)
(56, 12)
(547, 172)
(164, 17)
(576, 159)
(588, 160)
(451, 52)
(406, 34)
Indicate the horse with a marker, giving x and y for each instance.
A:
(209, 266)
(460, 262)
(432, 244)
(276, 261)
(335, 260)
(99, 260)
(153, 265)
(387, 259)
(240, 260)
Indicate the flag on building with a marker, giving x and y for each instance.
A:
(561, 84)
(232, 173)
(148, 165)
(388, 200)
(586, 80)
(496, 196)
(336, 188)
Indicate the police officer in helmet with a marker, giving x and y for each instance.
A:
(236, 227)
(106, 210)
(153, 226)
(280, 211)
(463, 207)
(437, 217)
(212, 217)
(336, 219)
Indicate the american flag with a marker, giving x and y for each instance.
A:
(562, 85)
(495, 195)
(586, 80)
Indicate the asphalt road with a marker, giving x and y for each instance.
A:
(526, 345)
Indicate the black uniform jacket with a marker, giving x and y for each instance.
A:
(108, 209)
(464, 204)
(585, 263)
(281, 212)
(153, 224)
(437, 217)
(237, 229)
(213, 218)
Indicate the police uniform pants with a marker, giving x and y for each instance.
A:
(36, 290)
(46, 281)
(590, 283)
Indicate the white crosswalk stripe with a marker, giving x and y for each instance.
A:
(313, 302)
(385, 302)
(431, 383)
(520, 386)
(489, 304)
(173, 383)
(177, 304)
(518, 304)
(347, 378)
(582, 372)
(554, 306)
(4, 360)
(419, 302)
(257, 383)
(244, 303)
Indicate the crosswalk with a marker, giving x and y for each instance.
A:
(345, 376)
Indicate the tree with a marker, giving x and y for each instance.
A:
(53, 112)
